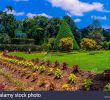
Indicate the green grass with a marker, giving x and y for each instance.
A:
(91, 61)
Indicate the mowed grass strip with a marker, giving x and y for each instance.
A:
(96, 61)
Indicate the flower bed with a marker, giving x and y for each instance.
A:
(44, 76)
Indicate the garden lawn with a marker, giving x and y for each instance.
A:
(96, 61)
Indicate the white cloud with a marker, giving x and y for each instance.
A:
(99, 17)
(14, 12)
(31, 15)
(77, 20)
(77, 7)
(20, 0)
(106, 27)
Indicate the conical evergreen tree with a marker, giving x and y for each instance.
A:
(64, 32)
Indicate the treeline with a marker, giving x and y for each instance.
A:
(46, 31)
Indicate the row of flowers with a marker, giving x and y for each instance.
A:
(57, 72)
(18, 62)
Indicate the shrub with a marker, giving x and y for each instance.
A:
(51, 42)
(65, 87)
(88, 44)
(4, 38)
(98, 47)
(58, 73)
(64, 32)
(50, 71)
(12, 47)
(107, 87)
(66, 44)
(22, 41)
(72, 78)
(87, 84)
(105, 45)
(42, 68)
(46, 47)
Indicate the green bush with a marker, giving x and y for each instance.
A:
(87, 84)
(12, 47)
(88, 44)
(106, 45)
(4, 38)
(22, 41)
(64, 32)
(107, 87)
(46, 47)
(72, 78)
(51, 42)
(66, 44)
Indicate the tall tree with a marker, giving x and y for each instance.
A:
(97, 32)
(8, 24)
(35, 28)
(85, 31)
(76, 32)
(28, 23)
(53, 27)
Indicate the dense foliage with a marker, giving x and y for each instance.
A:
(22, 47)
(64, 32)
(88, 44)
(75, 31)
(9, 24)
(4, 38)
(22, 41)
(66, 44)
(41, 30)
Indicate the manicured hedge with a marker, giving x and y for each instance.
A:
(65, 32)
(22, 41)
(12, 47)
